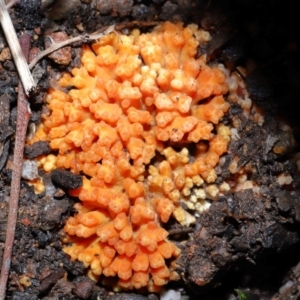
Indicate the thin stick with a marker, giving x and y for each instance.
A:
(23, 116)
(15, 49)
(79, 38)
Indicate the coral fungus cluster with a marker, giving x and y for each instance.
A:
(138, 106)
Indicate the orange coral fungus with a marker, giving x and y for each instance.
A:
(135, 97)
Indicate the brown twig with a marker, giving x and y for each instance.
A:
(22, 122)
(80, 38)
(15, 49)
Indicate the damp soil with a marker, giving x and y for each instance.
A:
(247, 244)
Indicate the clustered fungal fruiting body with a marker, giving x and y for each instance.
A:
(139, 103)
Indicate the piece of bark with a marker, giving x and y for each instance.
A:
(66, 179)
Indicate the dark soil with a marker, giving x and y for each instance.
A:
(245, 244)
